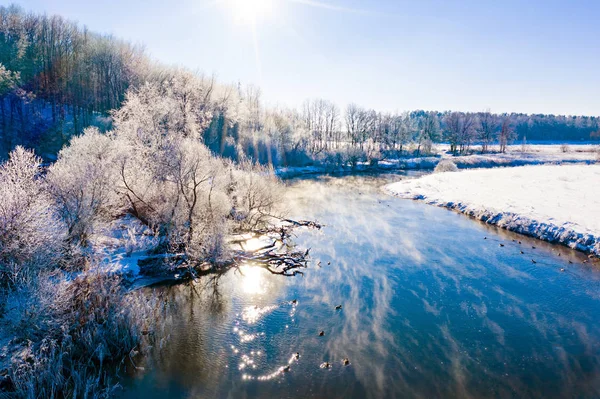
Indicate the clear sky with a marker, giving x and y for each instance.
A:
(533, 56)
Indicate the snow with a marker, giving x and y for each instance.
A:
(516, 155)
(556, 203)
(122, 245)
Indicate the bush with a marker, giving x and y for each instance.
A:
(31, 233)
(445, 165)
(427, 147)
(74, 335)
(82, 183)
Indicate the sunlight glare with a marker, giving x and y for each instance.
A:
(253, 281)
(249, 12)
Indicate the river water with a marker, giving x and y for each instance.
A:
(432, 306)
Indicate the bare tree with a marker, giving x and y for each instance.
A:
(459, 130)
(507, 133)
(487, 129)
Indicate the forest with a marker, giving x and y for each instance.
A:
(107, 152)
(57, 78)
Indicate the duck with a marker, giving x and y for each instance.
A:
(326, 365)
(297, 355)
(294, 301)
(485, 238)
(286, 369)
(345, 362)
(338, 307)
(522, 252)
(533, 261)
(322, 333)
(501, 245)
(519, 242)
(329, 263)
(562, 269)
(570, 262)
(532, 247)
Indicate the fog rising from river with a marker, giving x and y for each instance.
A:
(429, 308)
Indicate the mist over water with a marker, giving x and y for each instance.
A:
(429, 309)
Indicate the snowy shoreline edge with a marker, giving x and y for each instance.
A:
(586, 243)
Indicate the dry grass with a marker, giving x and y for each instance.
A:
(79, 335)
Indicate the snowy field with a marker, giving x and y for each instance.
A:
(556, 203)
(516, 155)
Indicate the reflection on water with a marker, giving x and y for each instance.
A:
(430, 309)
(253, 281)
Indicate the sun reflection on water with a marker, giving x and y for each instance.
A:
(253, 281)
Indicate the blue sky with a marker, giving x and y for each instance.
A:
(537, 56)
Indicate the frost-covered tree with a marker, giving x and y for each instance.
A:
(31, 233)
(459, 130)
(82, 185)
(507, 133)
(487, 129)
(173, 184)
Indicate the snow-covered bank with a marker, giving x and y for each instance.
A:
(558, 204)
(515, 156)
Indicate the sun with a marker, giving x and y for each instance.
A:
(249, 12)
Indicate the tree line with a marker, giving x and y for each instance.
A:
(56, 78)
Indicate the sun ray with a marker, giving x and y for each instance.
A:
(327, 6)
(257, 54)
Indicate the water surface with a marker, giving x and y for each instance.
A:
(432, 306)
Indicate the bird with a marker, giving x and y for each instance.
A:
(286, 369)
(559, 254)
(585, 261)
(501, 245)
(338, 307)
(532, 247)
(329, 263)
(326, 365)
(570, 262)
(562, 269)
(319, 264)
(485, 238)
(345, 362)
(522, 252)
(533, 261)
(321, 333)
(297, 355)
(519, 242)
(294, 301)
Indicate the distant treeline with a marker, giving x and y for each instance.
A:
(56, 78)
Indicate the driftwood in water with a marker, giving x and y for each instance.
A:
(277, 256)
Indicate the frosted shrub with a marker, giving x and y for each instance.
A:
(354, 155)
(82, 182)
(256, 194)
(76, 330)
(445, 165)
(31, 234)
(427, 147)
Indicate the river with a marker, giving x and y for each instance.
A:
(432, 306)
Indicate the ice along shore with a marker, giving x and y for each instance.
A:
(555, 203)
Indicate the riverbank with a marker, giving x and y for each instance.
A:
(516, 155)
(555, 203)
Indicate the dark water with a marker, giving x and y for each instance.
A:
(430, 309)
